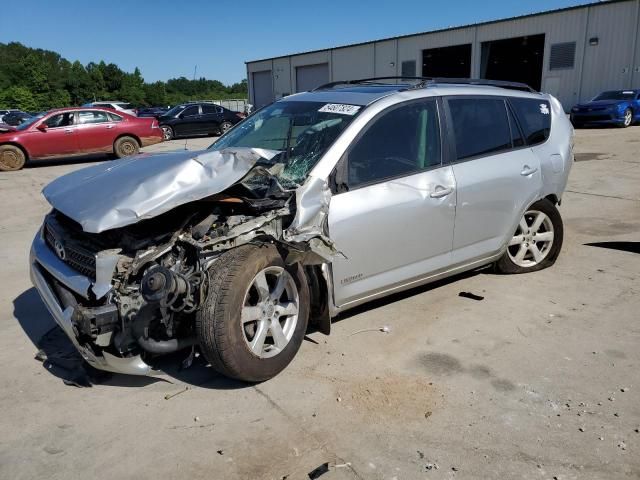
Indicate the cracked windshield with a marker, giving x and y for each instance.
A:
(299, 131)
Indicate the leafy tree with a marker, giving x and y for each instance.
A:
(36, 79)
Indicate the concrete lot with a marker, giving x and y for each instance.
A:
(539, 380)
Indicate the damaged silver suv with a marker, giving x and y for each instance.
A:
(317, 203)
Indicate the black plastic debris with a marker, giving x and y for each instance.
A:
(470, 295)
(220, 452)
(319, 471)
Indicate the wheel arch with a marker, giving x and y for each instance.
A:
(20, 146)
(132, 135)
(553, 198)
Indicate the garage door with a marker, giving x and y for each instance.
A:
(262, 88)
(311, 76)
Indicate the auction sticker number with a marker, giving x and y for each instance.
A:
(340, 108)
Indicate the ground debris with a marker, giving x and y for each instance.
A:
(383, 329)
(470, 295)
(170, 396)
(318, 471)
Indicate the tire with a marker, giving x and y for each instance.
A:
(11, 158)
(628, 118)
(527, 252)
(125, 147)
(167, 133)
(224, 126)
(226, 328)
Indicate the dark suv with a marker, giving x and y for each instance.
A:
(202, 118)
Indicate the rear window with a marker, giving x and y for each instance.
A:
(125, 106)
(480, 126)
(534, 116)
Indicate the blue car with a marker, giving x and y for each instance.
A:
(614, 107)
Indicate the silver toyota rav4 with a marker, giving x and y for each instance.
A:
(316, 203)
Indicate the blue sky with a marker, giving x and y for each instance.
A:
(168, 38)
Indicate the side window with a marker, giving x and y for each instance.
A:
(60, 120)
(220, 109)
(480, 126)
(401, 141)
(534, 116)
(209, 109)
(191, 111)
(114, 118)
(92, 116)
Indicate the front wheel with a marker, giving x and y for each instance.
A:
(167, 133)
(255, 316)
(11, 158)
(627, 119)
(536, 242)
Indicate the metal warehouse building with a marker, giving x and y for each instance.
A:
(572, 53)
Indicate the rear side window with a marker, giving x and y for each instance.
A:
(534, 117)
(93, 116)
(114, 118)
(401, 141)
(480, 126)
(209, 109)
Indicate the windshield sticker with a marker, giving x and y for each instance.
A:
(544, 109)
(340, 108)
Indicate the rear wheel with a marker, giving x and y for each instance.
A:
(125, 147)
(224, 126)
(536, 242)
(255, 316)
(11, 158)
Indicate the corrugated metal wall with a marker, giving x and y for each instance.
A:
(611, 64)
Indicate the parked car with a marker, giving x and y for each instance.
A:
(614, 107)
(15, 118)
(152, 111)
(116, 105)
(192, 119)
(317, 203)
(4, 112)
(68, 132)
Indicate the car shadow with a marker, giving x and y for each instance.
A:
(98, 157)
(632, 247)
(60, 358)
(396, 297)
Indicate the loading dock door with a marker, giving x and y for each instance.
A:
(514, 59)
(451, 62)
(262, 88)
(311, 76)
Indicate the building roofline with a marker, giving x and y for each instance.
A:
(448, 29)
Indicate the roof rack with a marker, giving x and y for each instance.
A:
(373, 80)
(432, 81)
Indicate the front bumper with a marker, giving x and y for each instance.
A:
(44, 263)
(600, 117)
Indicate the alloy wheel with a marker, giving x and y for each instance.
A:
(628, 117)
(533, 239)
(270, 312)
(166, 133)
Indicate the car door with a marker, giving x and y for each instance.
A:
(211, 118)
(392, 214)
(189, 121)
(54, 136)
(96, 131)
(497, 175)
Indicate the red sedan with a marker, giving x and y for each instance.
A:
(68, 132)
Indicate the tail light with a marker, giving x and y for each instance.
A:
(240, 115)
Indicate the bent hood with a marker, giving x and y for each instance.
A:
(123, 192)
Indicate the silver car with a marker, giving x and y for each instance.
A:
(314, 204)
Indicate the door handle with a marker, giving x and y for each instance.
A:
(527, 170)
(68, 131)
(440, 191)
(109, 126)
